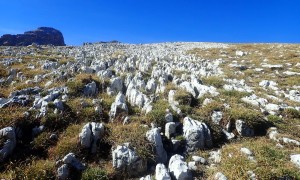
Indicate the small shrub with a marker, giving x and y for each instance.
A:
(183, 97)
(37, 169)
(215, 81)
(42, 141)
(291, 113)
(76, 86)
(3, 71)
(274, 118)
(157, 115)
(94, 173)
(252, 118)
(68, 142)
(133, 133)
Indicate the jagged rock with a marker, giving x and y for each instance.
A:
(90, 89)
(9, 145)
(126, 159)
(63, 172)
(243, 129)
(216, 117)
(22, 100)
(255, 101)
(269, 84)
(90, 135)
(215, 157)
(199, 159)
(168, 116)
(248, 153)
(293, 95)
(273, 133)
(154, 137)
(151, 85)
(252, 175)
(161, 172)
(71, 160)
(59, 104)
(237, 85)
(148, 177)
(41, 36)
(37, 130)
(239, 53)
(173, 103)
(295, 158)
(116, 86)
(220, 176)
(289, 141)
(178, 168)
(118, 106)
(197, 134)
(228, 135)
(170, 129)
(49, 65)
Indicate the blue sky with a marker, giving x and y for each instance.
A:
(141, 21)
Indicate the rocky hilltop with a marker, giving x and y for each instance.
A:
(162, 111)
(41, 36)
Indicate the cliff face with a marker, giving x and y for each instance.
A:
(41, 36)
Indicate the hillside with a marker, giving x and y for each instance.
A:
(150, 111)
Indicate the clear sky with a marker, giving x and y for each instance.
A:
(145, 21)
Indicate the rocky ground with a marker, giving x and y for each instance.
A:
(152, 111)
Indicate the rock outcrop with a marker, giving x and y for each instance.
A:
(41, 36)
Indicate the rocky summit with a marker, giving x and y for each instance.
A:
(40, 36)
(161, 111)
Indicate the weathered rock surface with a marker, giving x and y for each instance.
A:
(178, 168)
(9, 145)
(126, 159)
(90, 135)
(154, 137)
(161, 172)
(197, 134)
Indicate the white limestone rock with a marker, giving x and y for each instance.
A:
(199, 159)
(168, 116)
(295, 159)
(71, 160)
(151, 85)
(161, 172)
(248, 153)
(90, 135)
(173, 103)
(116, 86)
(59, 104)
(216, 117)
(243, 129)
(215, 157)
(220, 176)
(63, 172)
(90, 89)
(118, 106)
(170, 129)
(154, 137)
(255, 100)
(148, 177)
(8, 147)
(197, 134)
(126, 159)
(273, 133)
(252, 175)
(269, 84)
(178, 168)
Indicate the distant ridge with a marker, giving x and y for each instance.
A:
(40, 36)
